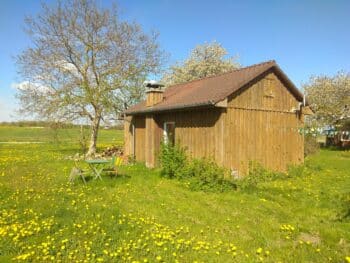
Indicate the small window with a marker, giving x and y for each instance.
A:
(169, 132)
(269, 86)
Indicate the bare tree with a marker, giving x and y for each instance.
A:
(84, 62)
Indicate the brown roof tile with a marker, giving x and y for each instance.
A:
(208, 91)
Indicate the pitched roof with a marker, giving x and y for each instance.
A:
(211, 90)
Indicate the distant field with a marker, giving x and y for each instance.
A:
(141, 217)
(50, 135)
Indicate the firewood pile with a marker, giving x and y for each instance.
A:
(112, 151)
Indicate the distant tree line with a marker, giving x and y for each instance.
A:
(51, 124)
(36, 124)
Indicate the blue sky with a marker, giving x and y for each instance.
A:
(304, 37)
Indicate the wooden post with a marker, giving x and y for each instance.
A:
(128, 137)
(150, 141)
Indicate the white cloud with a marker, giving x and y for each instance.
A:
(26, 85)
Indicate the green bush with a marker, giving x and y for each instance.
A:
(172, 159)
(311, 146)
(205, 174)
(296, 170)
(345, 206)
(198, 174)
(257, 174)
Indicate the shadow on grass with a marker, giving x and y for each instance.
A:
(107, 179)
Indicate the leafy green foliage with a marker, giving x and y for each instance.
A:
(205, 174)
(311, 146)
(344, 213)
(295, 171)
(199, 174)
(257, 174)
(172, 159)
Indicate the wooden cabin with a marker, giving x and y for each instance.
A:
(249, 114)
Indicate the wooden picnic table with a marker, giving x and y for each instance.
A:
(97, 166)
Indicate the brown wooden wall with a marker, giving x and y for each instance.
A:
(270, 138)
(257, 125)
(128, 138)
(199, 131)
(140, 139)
(266, 93)
(260, 126)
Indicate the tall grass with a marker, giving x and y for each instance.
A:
(140, 216)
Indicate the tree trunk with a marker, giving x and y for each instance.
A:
(95, 125)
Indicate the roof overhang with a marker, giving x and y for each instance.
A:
(209, 104)
(221, 102)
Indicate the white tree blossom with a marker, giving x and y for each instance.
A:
(329, 97)
(205, 60)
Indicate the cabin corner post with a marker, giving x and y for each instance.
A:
(128, 136)
(150, 141)
(302, 138)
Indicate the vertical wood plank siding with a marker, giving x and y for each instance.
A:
(140, 142)
(152, 140)
(261, 127)
(128, 137)
(257, 125)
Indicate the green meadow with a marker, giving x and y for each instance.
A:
(139, 216)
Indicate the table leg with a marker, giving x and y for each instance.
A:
(98, 173)
(94, 171)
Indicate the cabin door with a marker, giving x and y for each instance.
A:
(169, 132)
(139, 138)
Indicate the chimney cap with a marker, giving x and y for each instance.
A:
(153, 84)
